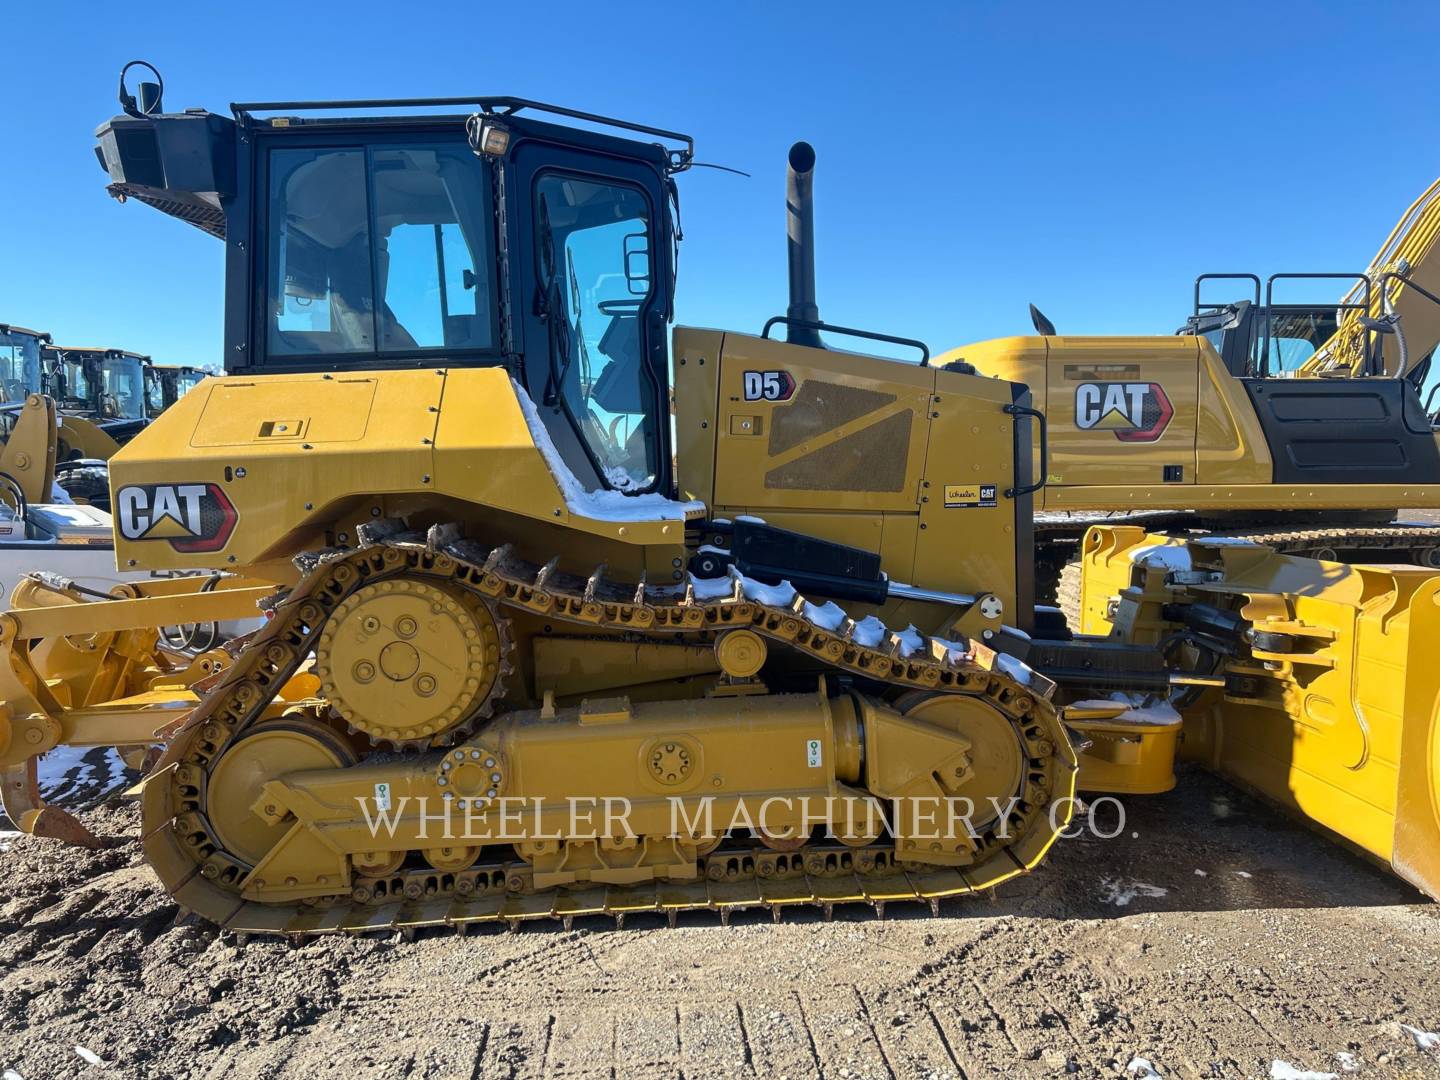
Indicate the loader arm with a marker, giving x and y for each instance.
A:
(28, 456)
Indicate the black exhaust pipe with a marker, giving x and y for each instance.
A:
(800, 233)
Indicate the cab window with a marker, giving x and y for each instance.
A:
(1294, 338)
(379, 249)
(593, 258)
(19, 366)
(154, 392)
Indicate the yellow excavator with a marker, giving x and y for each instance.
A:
(537, 651)
(1298, 424)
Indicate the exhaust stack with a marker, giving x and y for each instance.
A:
(800, 234)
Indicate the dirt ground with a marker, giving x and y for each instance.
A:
(1212, 938)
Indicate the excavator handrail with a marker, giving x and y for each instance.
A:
(1255, 278)
(1344, 305)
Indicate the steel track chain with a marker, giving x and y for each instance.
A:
(205, 879)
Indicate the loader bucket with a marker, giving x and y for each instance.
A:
(1331, 702)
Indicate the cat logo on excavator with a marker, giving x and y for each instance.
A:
(1135, 411)
(192, 517)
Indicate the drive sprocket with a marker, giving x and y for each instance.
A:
(406, 661)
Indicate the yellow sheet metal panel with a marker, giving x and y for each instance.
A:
(200, 494)
(1121, 410)
(1230, 446)
(840, 431)
(221, 478)
(966, 535)
(1015, 359)
(696, 365)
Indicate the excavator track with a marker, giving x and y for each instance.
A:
(186, 853)
(1059, 539)
(1420, 543)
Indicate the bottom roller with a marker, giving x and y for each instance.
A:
(664, 800)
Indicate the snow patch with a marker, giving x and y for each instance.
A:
(869, 632)
(1201, 873)
(88, 1056)
(911, 641)
(750, 519)
(1349, 1063)
(597, 505)
(1230, 541)
(957, 651)
(1428, 1041)
(1159, 556)
(782, 595)
(714, 588)
(1120, 892)
(70, 773)
(1242, 873)
(1142, 1069)
(1016, 669)
(828, 616)
(1283, 1070)
(1136, 710)
(1142, 712)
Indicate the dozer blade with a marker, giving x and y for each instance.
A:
(1331, 698)
(1416, 857)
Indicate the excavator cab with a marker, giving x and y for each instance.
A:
(1251, 337)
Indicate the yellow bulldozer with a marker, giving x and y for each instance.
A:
(1297, 423)
(538, 648)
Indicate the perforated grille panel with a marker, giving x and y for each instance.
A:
(819, 407)
(872, 459)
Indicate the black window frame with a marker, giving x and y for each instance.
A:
(260, 358)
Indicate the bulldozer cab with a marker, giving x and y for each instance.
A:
(20, 362)
(485, 238)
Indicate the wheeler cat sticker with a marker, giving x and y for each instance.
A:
(192, 517)
(970, 495)
(1134, 411)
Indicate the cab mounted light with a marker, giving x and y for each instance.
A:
(487, 135)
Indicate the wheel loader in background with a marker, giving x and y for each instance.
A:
(165, 385)
(1299, 425)
(782, 640)
(20, 362)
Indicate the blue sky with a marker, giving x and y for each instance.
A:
(972, 158)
